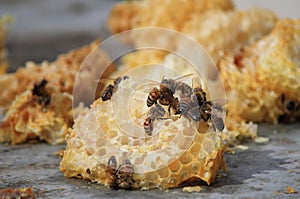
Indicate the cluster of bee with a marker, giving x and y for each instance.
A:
(39, 90)
(193, 103)
(190, 103)
(121, 177)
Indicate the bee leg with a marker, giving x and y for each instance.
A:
(169, 110)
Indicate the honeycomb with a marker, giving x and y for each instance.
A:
(156, 13)
(216, 25)
(262, 80)
(4, 22)
(25, 119)
(61, 72)
(28, 120)
(179, 150)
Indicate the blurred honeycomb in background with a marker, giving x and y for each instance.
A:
(4, 23)
(263, 80)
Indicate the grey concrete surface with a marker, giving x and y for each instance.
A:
(262, 171)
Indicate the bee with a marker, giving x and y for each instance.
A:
(39, 90)
(153, 96)
(191, 99)
(165, 94)
(198, 91)
(111, 88)
(188, 107)
(148, 126)
(124, 175)
(184, 89)
(291, 110)
(213, 110)
(110, 171)
(156, 112)
(121, 178)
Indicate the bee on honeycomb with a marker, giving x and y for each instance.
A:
(112, 132)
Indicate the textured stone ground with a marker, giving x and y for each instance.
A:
(262, 171)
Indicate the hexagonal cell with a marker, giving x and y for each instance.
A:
(174, 166)
(100, 142)
(185, 143)
(163, 172)
(186, 158)
(124, 140)
(112, 133)
(101, 151)
(195, 148)
(89, 151)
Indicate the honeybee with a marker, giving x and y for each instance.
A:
(120, 178)
(191, 99)
(184, 89)
(291, 110)
(43, 97)
(125, 175)
(213, 110)
(153, 96)
(165, 94)
(189, 108)
(110, 171)
(198, 91)
(148, 126)
(111, 88)
(156, 112)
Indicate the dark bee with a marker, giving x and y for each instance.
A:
(198, 91)
(188, 107)
(39, 90)
(110, 171)
(153, 96)
(156, 112)
(111, 88)
(213, 110)
(184, 89)
(165, 94)
(124, 175)
(291, 110)
(148, 126)
(120, 178)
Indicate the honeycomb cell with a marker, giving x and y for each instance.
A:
(124, 140)
(189, 132)
(89, 151)
(100, 142)
(186, 158)
(185, 143)
(151, 177)
(195, 148)
(102, 152)
(112, 134)
(163, 173)
(194, 167)
(174, 166)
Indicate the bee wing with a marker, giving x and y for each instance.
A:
(104, 81)
(196, 83)
(172, 117)
(182, 77)
(148, 85)
(217, 102)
